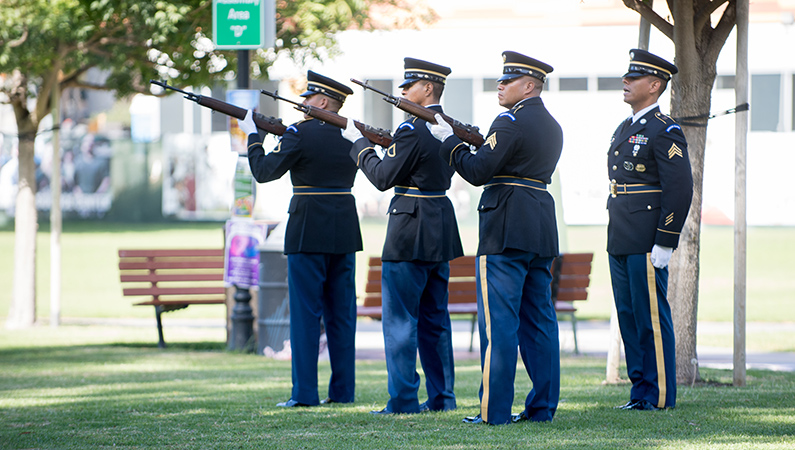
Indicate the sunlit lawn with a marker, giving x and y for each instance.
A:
(102, 387)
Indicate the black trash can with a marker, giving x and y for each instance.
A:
(273, 312)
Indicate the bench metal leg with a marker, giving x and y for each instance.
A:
(161, 343)
(574, 331)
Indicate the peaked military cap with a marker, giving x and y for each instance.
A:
(642, 63)
(318, 84)
(417, 69)
(516, 65)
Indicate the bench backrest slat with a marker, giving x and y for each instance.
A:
(161, 291)
(159, 253)
(573, 279)
(166, 264)
(155, 278)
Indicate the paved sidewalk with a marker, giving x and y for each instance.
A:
(592, 339)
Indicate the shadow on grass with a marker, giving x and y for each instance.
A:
(198, 395)
(177, 346)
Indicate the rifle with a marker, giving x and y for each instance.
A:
(270, 124)
(375, 135)
(467, 133)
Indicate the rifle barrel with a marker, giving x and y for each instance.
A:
(374, 89)
(165, 85)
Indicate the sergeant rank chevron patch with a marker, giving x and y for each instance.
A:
(492, 141)
(674, 151)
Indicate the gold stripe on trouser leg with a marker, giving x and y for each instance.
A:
(484, 294)
(655, 326)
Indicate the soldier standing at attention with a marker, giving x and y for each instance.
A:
(518, 241)
(320, 241)
(650, 190)
(421, 238)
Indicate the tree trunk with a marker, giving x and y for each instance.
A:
(691, 96)
(22, 312)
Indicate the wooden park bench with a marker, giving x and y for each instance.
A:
(172, 279)
(570, 280)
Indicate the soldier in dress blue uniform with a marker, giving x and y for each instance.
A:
(518, 241)
(650, 190)
(321, 239)
(421, 238)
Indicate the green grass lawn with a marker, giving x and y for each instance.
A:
(91, 285)
(102, 387)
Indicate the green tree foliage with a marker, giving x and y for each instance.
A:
(50, 44)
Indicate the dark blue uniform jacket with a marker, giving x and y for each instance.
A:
(316, 155)
(651, 152)
(524, 142)
(421, 228)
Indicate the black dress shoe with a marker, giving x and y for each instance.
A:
(521, 417)
(424, 407)
(327, 401)
(383, 412)
(473, 419)
(627, 405)
(644, 405)
(290, 404)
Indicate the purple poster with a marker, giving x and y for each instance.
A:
(241, 261)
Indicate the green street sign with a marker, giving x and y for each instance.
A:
(242, 24)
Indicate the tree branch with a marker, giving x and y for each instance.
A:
(702, 15)
(722, 31)
(19, 41)
(647, 13)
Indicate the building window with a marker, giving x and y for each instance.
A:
(489, 85)
(610, 84)
(765, 102)
(375, 108)
(457, 97)
(573, 84)
(724, 82)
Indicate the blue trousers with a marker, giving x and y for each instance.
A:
(515, 309)
(322, 285)
(644, 317)
(415, 317)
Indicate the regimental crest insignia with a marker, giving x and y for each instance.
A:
(675, 151)
(492, 140)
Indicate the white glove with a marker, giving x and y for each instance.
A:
(442, 130)
(660, 256)
(247, 125)
(350, 132)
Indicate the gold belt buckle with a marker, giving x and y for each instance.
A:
(613, 189)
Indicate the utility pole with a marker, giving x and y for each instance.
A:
(740, 142)
(56, 216)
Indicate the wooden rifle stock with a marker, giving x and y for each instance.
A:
(375, 135)
(270, 124)
(467, 133)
